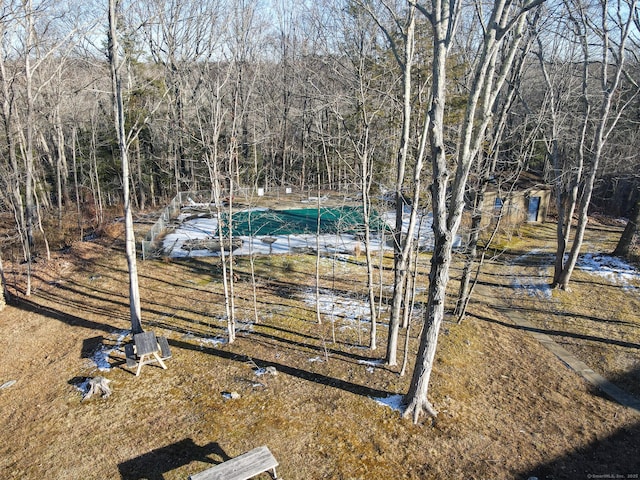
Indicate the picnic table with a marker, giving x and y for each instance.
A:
(147, 348)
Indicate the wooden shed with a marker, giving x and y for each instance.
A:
(525, 200)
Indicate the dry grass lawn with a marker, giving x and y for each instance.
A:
(508, 408)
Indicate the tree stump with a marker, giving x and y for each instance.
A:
(97, 386)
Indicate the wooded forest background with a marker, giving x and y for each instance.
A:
(433, 103)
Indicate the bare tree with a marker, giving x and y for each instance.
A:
(225, 244)
(602, 30)
(490, 168)
(181, 37)
(12, 175)
(623, 246)
(117, 66)
(503, 28)
(28, 146)
(3, 286)
(400, 32)
(212, 114)
(32, 41)
(561, 85)
(369, 97)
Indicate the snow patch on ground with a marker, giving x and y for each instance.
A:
(394, 402)
(8, 384)
(212, 341)
(100, 357)
(612, 269)
(334, 307)
(244, 326)
(535, 285)
(83, 387)
(371, 363)
(532, 287)
(209, 341)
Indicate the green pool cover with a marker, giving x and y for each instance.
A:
(335, 220)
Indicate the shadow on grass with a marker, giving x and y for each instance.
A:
(154, 464)
(64, 295)
(305, 343)
(614, 456)
(534, 299)
(282, 337)
(90, 346)
(73, 320)
(286, 369)
(562, 333)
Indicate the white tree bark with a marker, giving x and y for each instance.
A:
(3, 286)
(612, 30)
(130, 242)
(404, 27)
(448, 199)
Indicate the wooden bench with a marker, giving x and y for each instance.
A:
(165, 351)
(130, 355)
(243, 467)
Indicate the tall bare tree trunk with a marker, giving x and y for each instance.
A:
(448, 199)
(416, 400)
(318, 311)
(366, 213)
(96, 190)
(231, 321)
(62, 169)
(626, 239)
(228, 293)
(3, 286)
(76, 187)
(402, 244)
(30, 210)
(11, 137)
(130, 242)
(612, 64)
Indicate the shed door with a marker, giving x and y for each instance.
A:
(534, 206)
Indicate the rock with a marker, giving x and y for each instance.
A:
(231, 395)
(271, 370)
(8, 384)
